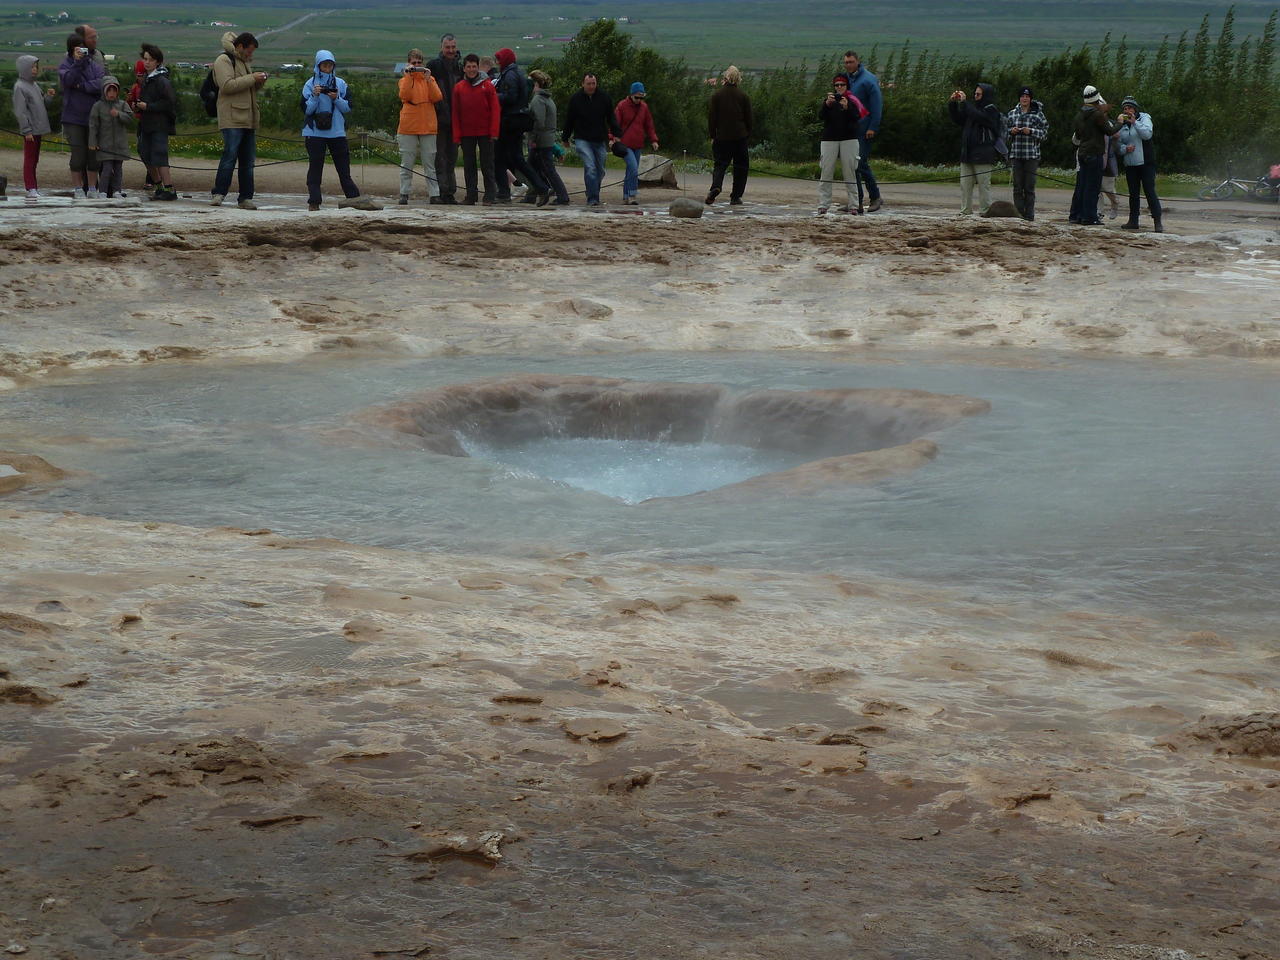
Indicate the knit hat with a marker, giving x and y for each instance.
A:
(1130, 102)
(1026, 92)
(637, 87)
(139, 67)
(1091, 95)
(505, 57)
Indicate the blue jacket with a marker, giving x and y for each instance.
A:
(319, 104)
(864, 85)
(1135, 135)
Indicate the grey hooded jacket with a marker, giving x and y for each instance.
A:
(107, 134)
(29, 101)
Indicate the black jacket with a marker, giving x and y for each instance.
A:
(590, 118)
(729, 114)
(839, 123)
(981, 123)
(447, 73)
(513, 90)
(161, 115)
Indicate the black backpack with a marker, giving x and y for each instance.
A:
(209, 93)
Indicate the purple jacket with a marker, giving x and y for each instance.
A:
(81, 87)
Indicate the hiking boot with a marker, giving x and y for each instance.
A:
(216, 199)
(247, 205)
(450, 200)
(403, 201)
(543, 197)
(874, 205)
(437, 201)
(1159, 226)
(166, 193)
(313, 207)
(1130, 225)
(735, 201)
(561, 203)
(530, 196)
(711, 197)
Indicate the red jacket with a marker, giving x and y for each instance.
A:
(636, 123)
(476, 112)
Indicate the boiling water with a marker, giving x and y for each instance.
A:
(1151, 487)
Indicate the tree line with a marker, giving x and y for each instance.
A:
(1214, 98)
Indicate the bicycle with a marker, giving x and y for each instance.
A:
(1262, 188)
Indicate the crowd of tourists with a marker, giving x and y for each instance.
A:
(504, 124)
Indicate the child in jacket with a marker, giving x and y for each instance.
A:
(32, 115)
(109, 123)
(157, 110)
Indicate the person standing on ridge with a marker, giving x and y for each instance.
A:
(840, 113)
(1139, 155)
(1093, 130)
(326, 103)
(419, 125)
(591, 126)
(729, 125)
(157, 109)
(477, 116)
(1027, 129)
(81, 77)
(981, 120)
(238, 116)
(635, 120)
(864, 85)
(513, 96)
(447, 70)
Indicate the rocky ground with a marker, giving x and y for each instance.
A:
(227, 743)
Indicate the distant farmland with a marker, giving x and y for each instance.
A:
(702, 32)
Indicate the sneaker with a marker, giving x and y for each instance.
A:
(735, 201)
(246, 205)
(403, 201)
(166, 193)
(33, 194)
(711, 197)
(77, 193)
(92, 194)
(359, 203)
(874, 205)
(313, 207)
(122, 195)
(216, 199)
(544, 197)
(1111, 214)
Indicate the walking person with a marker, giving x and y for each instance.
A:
(30, 109)
(840, 113)
(1028, 127)
(80, 75)
(238, 116)
(513, 97)
(591, 126)
(419, 126)
(157, 109)
(447, 71)
(109, 123)
(1139, 155)
(542, 141)
(328, 101)
(477, 117)
(1092, 129)
(729, 126)
(980, 120)
(864, 85)
(635, 120)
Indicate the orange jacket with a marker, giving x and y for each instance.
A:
(418, 96)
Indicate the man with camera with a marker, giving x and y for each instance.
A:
(238, 115)
(80, 76)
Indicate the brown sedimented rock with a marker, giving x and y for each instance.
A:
(1251, 735)
(25, 469)
(595, 729)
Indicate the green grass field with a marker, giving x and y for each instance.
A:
(705, 33)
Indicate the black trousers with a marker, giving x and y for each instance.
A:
(724, 153)
(510, 156)
(446, 160)
(1143, 176)
(1084, 201)
(471, 146)
(341, 153)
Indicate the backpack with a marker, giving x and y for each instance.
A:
(209, 93)
(1002, 138)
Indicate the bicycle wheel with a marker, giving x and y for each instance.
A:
(1221, 192)
(1264, 191)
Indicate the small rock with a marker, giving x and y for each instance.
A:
(1001, 208)
(26, 693)
(595, 729)
(684, 207)
(15, 947)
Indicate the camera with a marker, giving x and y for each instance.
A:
(83, 51)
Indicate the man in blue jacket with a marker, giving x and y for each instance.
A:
(864, 85)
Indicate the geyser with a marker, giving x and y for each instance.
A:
(639, 441)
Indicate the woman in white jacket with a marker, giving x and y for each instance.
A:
(1139, 156)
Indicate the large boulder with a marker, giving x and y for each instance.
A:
(658, 171)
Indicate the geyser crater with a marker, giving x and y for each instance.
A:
(644, 441)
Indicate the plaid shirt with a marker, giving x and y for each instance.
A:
(1026, 146)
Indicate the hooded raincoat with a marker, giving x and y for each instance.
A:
(326, 116)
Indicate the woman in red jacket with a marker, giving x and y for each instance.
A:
(636, 122)
(476, 116)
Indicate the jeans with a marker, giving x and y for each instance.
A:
(1024, 186)
(971, 173)
(446, 161)
(30, 160)
(470, 146)
(1084, 201)
(723, 153)
(413, 145)
(631, 179)
(864, 169)
(338, 148)
(239, 145)
(1143, 175)
(846, 151)
(543, 160)
(592, 153)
